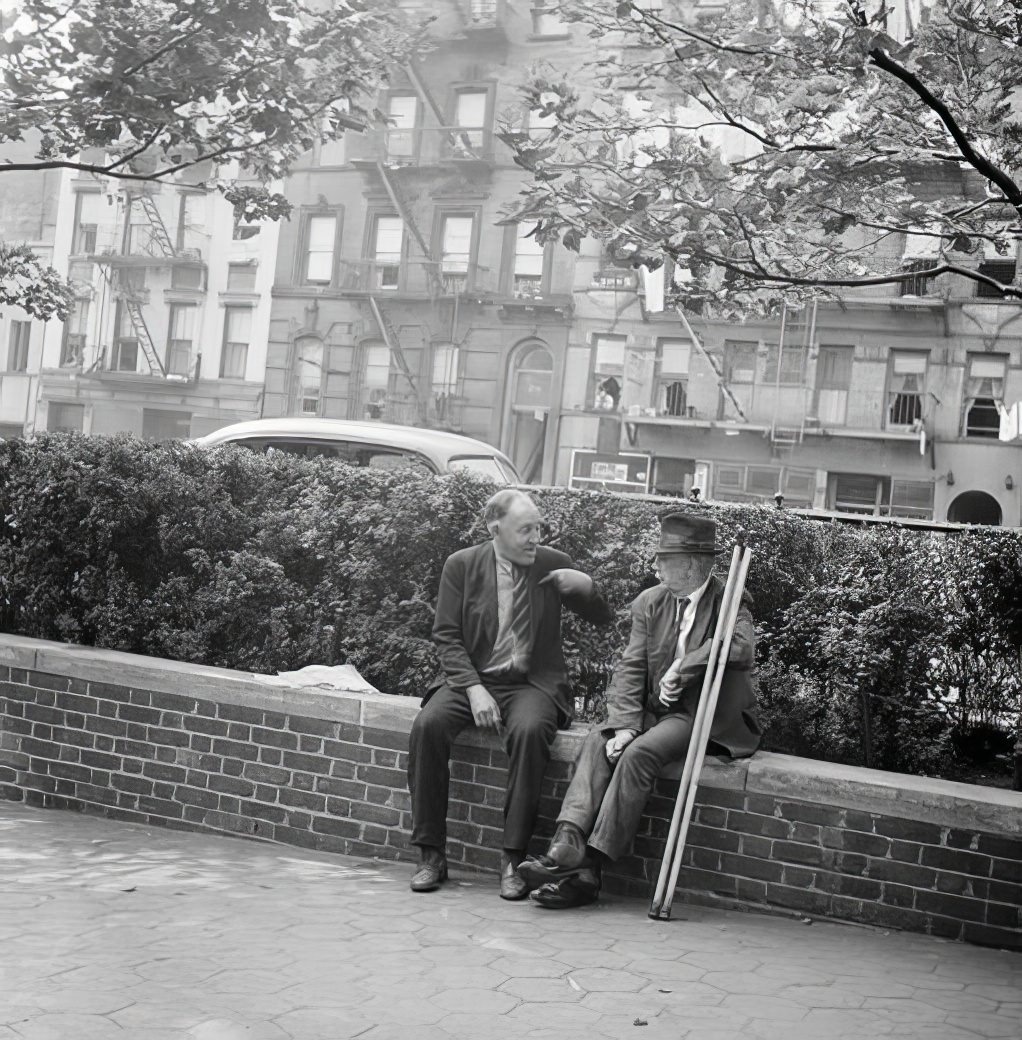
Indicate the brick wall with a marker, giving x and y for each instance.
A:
(182, 746)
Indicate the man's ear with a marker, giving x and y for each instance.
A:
(491, 528)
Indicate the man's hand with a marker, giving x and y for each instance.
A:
(617, 743)
(485, 712)
(569, 582)
(670, 686)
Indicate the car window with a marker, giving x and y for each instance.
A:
(393, 460)
(481, 465)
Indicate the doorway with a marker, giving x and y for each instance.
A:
(529, 394)
(975, 507)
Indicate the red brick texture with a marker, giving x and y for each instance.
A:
(185, 761)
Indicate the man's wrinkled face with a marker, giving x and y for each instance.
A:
(516, 533)
(683, 573)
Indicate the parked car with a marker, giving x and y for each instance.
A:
(380, 445)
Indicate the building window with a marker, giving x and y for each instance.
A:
(857, 493)
(72, 348)
(984, 394)
(124, 357)
(672, 377)
(320, 236)
(65, 418)
(17, 346)
(333, 151)
(608, 372)
(237, 336)
(90, 208)
(375, 380)
(241, 277)
(1002, 271)
(920, 282)
(905, 389)
(188, 277)
(530, 258)
(180, 336)
(245, 229)
(546, 21)
(833, 381)
(482, 11)
(792, 364)
(309, 375)
(740, 361)
(881, 496)
(190, 223)
(456, 233)
(445, 378)
(541, 125)
(162, 424)
(402, 119)
(387, 252)
(470, 120)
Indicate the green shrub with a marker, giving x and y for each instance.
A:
(880, 646)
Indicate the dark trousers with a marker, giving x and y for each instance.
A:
(606, 801)
(530, 724)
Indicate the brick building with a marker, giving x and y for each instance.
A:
(399, 295)
(171, 296)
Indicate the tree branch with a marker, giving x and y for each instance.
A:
(979, 162)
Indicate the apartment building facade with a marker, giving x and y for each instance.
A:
(164, 337)
(28, 216)
(400, 295)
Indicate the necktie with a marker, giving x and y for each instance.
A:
(521, 620)
(679, 610)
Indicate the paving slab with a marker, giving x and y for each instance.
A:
(120, 931)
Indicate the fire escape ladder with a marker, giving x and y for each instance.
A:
(796, 334)
(401, 205)
(160, 232)
(133, 305)
(390, 337)
(457, 140)
(715, 366)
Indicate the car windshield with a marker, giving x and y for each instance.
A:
(482, 465)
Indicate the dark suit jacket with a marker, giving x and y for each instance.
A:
(465, 627)
(633, 694)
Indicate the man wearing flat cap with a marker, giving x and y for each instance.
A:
(651, 706)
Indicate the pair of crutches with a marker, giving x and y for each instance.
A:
(720, 647)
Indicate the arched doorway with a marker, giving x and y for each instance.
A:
(975, 507)
(528, 397)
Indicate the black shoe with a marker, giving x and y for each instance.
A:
(565, 857)
(512, 887)
(580, 890)
(432, 871)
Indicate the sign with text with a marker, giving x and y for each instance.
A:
(626, 472)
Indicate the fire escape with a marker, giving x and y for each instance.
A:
(392, 168)
(797, 335)
(133, 254)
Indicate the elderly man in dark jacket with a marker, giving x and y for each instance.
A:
(498, 633)
(651, 705)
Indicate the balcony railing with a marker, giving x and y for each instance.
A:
(426, 146)
(415, 278)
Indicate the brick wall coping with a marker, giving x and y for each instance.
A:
(941, 802)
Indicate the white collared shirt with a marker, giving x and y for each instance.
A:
(688, 618)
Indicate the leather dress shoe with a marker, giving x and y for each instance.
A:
(512, 887)
(431, 874)
(580, 890)
(565, 857)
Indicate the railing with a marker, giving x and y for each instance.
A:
(427, 145)
(414, 277)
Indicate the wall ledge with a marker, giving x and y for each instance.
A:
(941, 802)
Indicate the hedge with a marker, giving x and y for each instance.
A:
(892, 648)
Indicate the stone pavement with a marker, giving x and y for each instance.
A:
(117, 931)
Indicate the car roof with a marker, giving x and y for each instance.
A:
(437, 444)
